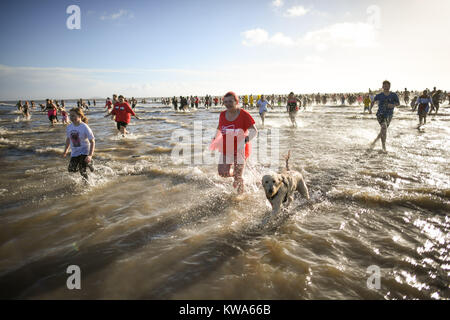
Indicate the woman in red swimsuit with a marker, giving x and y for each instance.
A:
(236, 129)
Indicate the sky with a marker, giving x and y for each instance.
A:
(197, 47)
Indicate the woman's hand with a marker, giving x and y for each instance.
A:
(64, 154)
(88, 159)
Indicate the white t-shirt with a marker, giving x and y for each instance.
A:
(79, 138)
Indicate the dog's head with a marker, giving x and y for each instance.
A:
(271, 184)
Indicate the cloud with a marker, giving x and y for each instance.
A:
(117, 15)
(296, 11)
(256, 37)
(344, 35)
(347, 34)
(281, 40)
(277, 3)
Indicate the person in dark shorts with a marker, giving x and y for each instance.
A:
(26, 110)
(78, 164)
(82, 143)
(423, 102)
(436, 99)
(123, 113)
(52, 112)
(292, 108)
(387, 101)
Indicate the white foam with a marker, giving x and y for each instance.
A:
(49, 149)
(129, 136)
(3, 130)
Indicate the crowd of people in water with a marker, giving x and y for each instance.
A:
(80, 138)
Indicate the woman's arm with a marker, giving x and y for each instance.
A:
(66, 148)
(217, 133)
(91, 150)
(252, 132)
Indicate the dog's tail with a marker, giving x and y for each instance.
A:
(287, 160)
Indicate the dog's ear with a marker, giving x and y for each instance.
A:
(279, 179)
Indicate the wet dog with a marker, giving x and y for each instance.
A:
(280, 188)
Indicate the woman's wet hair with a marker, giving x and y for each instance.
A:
(80, 113)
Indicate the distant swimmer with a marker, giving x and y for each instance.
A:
(292, 108)
(413, 102)
(64, 115)
(387, 101)
(19, 105)
(436, 98)
(122, 112)
(183, 104)
(262, 104)
(245, 102)
(406, 96)
(80, 139)
(197, 101)
(26, 110)
(423, 102)
(175, 103)
(367, 102)
(52, 112)
(108, 104)
(304, 102)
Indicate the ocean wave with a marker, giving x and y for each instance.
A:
(426, 201)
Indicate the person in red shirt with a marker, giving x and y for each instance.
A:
(122, 112)
(235, 131)
(108, 104)
(196, 102)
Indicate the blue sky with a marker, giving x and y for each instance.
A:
(156, 48)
